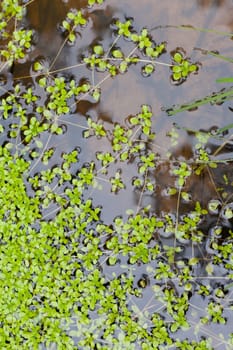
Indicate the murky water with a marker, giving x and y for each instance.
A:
(124, 95)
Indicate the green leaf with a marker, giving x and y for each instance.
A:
(176, 76)
(117, 54)
(123, 67)
(66, 25)
(42, 82)
(193, 261)
(96, 95)
(112, 260)
(209, 269)
(224, 80)
(148, 69)
(38, 66)
(71, 37)
(178, 57)
(98, 50)
(228, 213)
(177, 69)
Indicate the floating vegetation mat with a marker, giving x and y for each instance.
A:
(109, 239)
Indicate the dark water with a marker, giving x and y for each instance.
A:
(123, 96)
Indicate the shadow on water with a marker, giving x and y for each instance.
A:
(123, 96)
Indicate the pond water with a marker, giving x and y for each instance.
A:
(198, 272)
(157, 91)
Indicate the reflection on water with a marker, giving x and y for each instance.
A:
(209, 3)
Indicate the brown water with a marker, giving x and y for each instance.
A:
(125, 94)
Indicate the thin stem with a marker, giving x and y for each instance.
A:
(223, 145)
(142, 191)
(139, 60)
(114, 42)
(177, 215)
(42, 153)
(50, 72)
(58, 53)
(75, 124)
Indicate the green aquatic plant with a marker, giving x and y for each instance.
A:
(215, 98)
(183, 172)
(17, 47)
(218, 97)
(92, 2)
(72, 276)
(182, 67)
